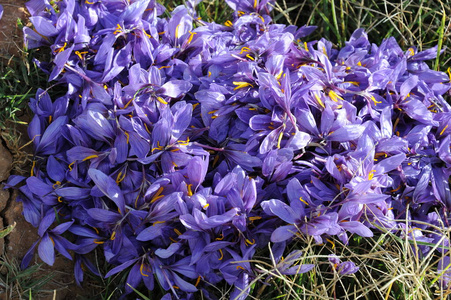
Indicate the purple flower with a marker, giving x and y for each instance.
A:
(343, 268)
(180, 148)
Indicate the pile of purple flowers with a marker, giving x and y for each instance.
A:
(181, 147)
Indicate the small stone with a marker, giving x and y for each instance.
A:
(4, 197)
(6, 161)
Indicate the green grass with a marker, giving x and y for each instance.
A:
(22, 284)
(419, 23)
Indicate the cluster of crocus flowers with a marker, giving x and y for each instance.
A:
(182, 147)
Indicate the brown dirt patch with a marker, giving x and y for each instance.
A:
(10, 34)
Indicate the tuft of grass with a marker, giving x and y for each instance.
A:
(22, 284)
(391, 267)
(419, 23)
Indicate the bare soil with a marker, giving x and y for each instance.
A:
(11, 40)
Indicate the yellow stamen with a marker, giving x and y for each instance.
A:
(136, 201)
(245, 49)
(69, 166)
(113, 236)
(96, 241)
(127, 135)
(333, 244)
(118, 29)
(147, 128)
(59, 199)
(206, 206)
(141, 271)
(184, 143)
(379, 154)
(228, 23)
(190, 192)
(163, 67)
(32, 168)
(443, 130)
(240, 267)
(128, 103)
(279, 139)
(240, 13)
(411, 51)
(177, 231)
(50, 119)
(305, 46)
(222, 254)
(90, 156)
(395, 190)
(212, 112)
(161, 100)
(220, 238)
(374, 100)
(158, 147)
(209, 74)
(250, 57)
(359, 64)
(241, 84)
(353, 83)
(172, 240)
(174, 164)
(157, 195)
(334, 96)
(449, 73)
(177, 31)
(176, 287)
(306, 203)
(191, 36)
(317, 97)
(254, 218)
(62, 48)
(371, 174)
(56, 184)
(197, 281)
(120, 177)
(88, 2)
(255, 4)
(249, 242)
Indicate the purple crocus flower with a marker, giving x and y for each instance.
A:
(181, 147)
(343, 268)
